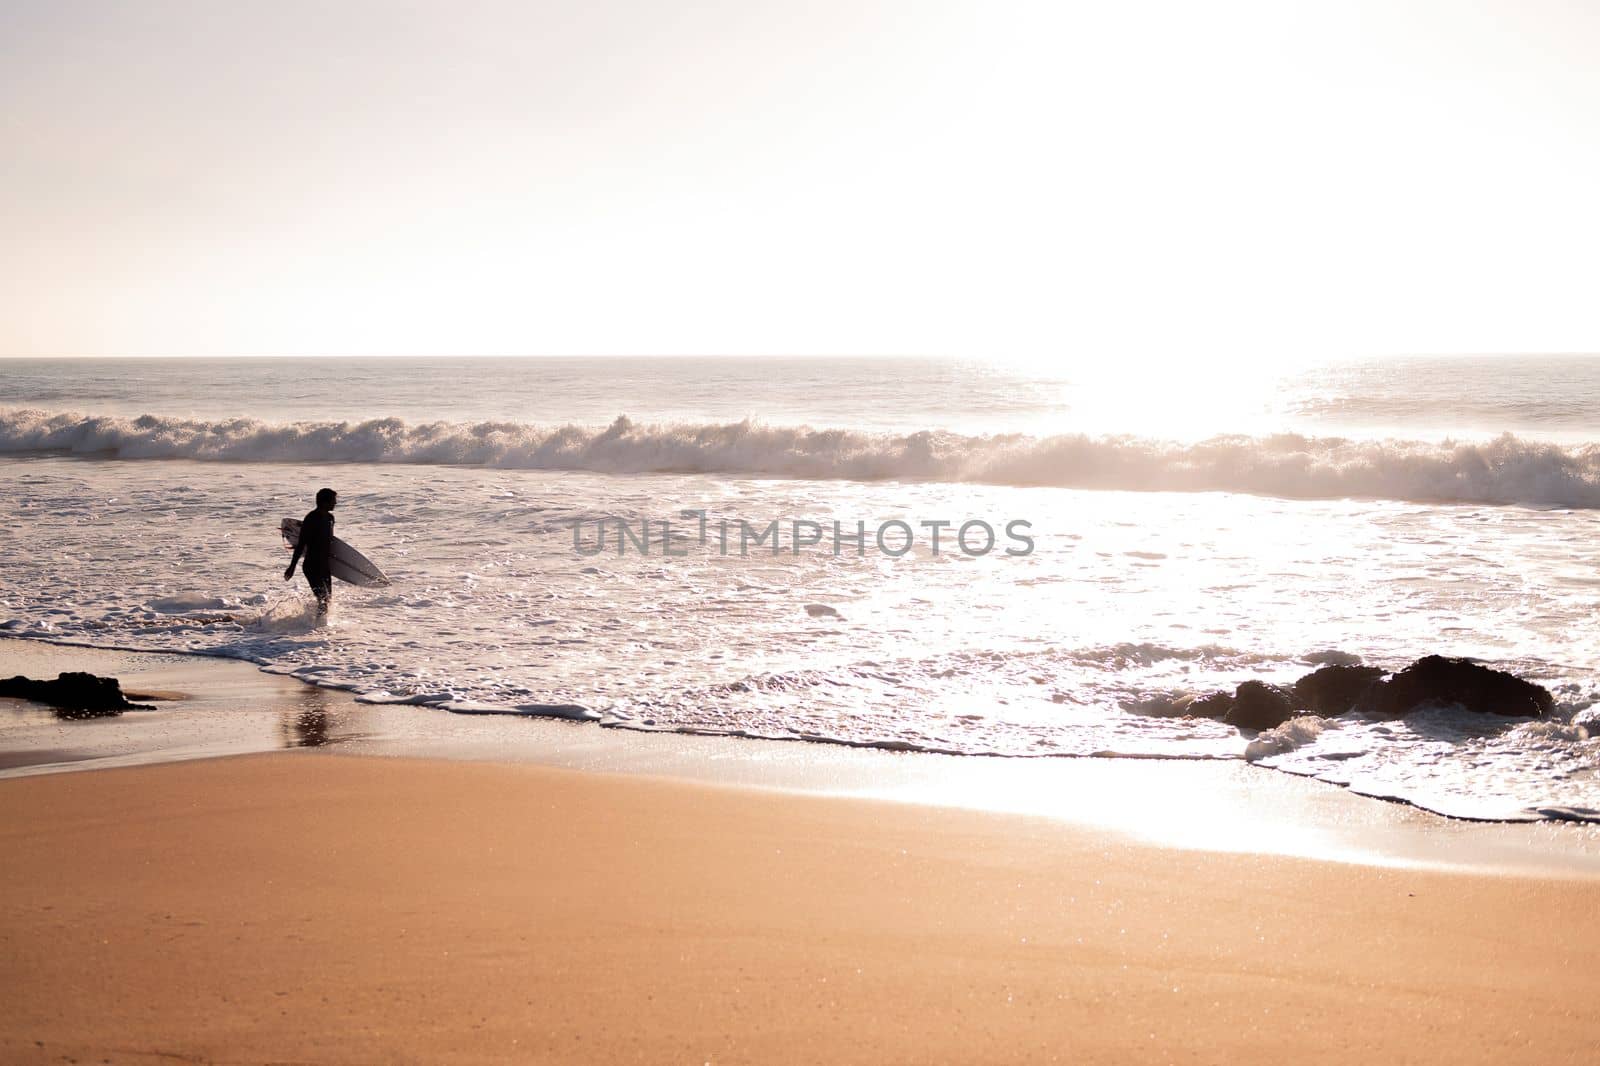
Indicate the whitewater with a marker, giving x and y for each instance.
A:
(1183, 543)
(1505, 470)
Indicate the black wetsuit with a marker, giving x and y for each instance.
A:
(316, 542)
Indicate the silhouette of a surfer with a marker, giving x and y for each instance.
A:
(316, 544)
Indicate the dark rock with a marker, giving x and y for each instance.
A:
(1436, 679)
(1258, 705)
(85, 695)
(1333, 690)
(83, 714)
(1333, 658)
(1216, 705)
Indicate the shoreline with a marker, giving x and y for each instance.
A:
(1205, 805)
(334, 909)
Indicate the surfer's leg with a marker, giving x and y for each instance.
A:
(321, 582)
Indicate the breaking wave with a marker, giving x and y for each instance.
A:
(1506, 470)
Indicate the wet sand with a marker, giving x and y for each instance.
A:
(322, 908)
(233, 708)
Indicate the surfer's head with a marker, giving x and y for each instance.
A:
(327, 499)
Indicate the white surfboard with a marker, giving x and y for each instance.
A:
(345, 563)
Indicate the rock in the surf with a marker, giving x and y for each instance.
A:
(78, 692)
(1258, 705)
(1334, 690)
(1435, 679)
(1213, 705)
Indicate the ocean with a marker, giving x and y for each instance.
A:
(921, 554)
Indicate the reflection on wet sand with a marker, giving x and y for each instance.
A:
(320, 717)
(307, 723)
(202, 708)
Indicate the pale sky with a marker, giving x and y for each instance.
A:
(1002, 178)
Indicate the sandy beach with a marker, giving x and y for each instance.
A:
(311, 907)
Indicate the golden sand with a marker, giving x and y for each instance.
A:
(306, 907)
